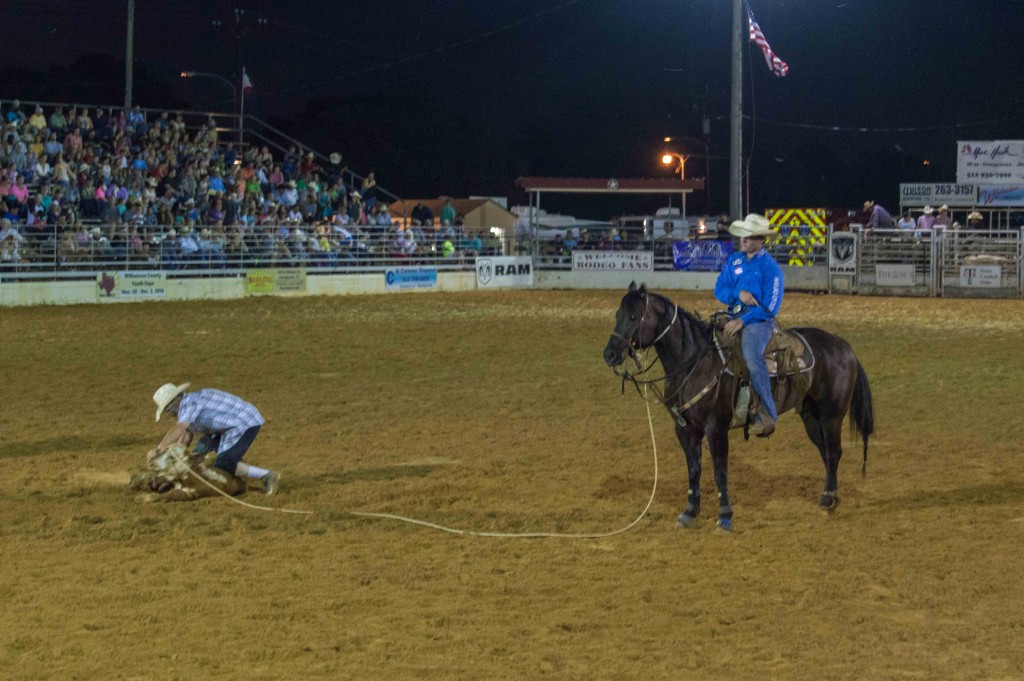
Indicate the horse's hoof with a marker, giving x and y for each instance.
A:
(724, 524)
(828, 503)
(685, 521)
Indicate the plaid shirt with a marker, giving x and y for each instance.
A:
(215, 411)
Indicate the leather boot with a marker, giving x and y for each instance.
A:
(765, 425)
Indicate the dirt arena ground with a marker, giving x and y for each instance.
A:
(495, 412)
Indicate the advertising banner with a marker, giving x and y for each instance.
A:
(259, 281)
(613, 261)
(981, 276)
(111, 286)
(1006, 196)
(842, 258)
(291, 280)
(991, 162)
(894, 275)
(700, 256)
(504, 271)
(921, 194)
(285, 280)
(410, 278)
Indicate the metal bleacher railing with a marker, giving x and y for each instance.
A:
(47, 254)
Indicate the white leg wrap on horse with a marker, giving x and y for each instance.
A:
(244, 470)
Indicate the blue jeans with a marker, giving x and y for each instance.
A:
(755, 340)
(229, 458)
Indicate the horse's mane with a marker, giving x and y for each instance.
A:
(693, 318)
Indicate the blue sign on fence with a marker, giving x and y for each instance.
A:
(410, 277)
(700, 256)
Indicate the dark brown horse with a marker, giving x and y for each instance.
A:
(698, 391)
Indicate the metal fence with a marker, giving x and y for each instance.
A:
(47, 254)
(944, 262)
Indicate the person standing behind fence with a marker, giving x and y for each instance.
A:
(925, 221)
(943, 219)
(906, 223)
(878, 217)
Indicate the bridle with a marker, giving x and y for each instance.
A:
(634, 341)
(640, 377)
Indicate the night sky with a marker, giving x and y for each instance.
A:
(462, 96)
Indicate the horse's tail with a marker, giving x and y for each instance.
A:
(862, 412)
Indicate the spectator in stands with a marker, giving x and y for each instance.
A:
(942, 219)
(878, 217)
(73, 141)
(925, 221)
(58, 124)
(570, 242)
(907, 222)
(448, 213)
(308, 165)
(84, 122)
(975, 220)
(187, 245)
(15, 114)
(368, 190)
(53, 146)
(447, 231)
(37, 120)
(289, 195)
(20, 190)
(136, 121)
(423, 214)
(471, 245)
(10, 254)
(447, 248)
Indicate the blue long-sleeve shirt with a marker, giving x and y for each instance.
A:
(760, 276)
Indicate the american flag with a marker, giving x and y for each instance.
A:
(778, 67)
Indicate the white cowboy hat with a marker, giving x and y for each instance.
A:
(943, 207)
(754, 225)
(868, 204)
(928, 210)
(975, 215)
(165, 394)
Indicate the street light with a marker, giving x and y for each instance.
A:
(669, 156)
(225, 81)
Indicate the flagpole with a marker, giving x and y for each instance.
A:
(241, 114)
(736, 117)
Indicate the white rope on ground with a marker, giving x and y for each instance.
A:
(224, 494)
(452, 530)
(535, 535)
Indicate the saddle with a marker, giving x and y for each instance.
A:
(789, 359)
(786, 354)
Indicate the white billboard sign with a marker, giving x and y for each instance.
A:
(133, 285)
(981, 276)
(990, 162)
(613, 261)
(894, 275)
(921, 194)
(504, 271)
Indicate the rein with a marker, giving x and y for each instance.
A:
(642, 371)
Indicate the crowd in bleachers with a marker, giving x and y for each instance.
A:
(83, 186)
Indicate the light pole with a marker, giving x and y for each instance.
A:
(668, 157)
(225, 81)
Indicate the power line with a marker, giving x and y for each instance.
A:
(428, 53)
(840, 128)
